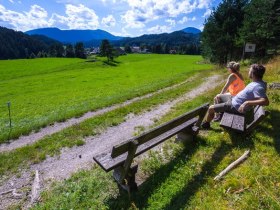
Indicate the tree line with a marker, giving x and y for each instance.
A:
(178, 41)
(14, 45)
(237, 22)
(163, 48)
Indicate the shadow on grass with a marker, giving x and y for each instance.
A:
(146, 189)
(91, 60)
(111, 63)
(273, 132)
(182, 198)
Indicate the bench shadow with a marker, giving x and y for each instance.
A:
(273, 130)
(146, 189)
(182, 198)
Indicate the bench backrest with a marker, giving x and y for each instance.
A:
(259, 115)
(145, 137)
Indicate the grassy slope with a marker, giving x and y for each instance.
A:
(43, 91)
(182, 177)
(50, 145)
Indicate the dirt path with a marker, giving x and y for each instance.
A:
(56, 127)
(73, 159)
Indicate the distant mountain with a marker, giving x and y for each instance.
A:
(172, 39)
(94, 37)
(191, 30)
(73, 36)
(48, 41)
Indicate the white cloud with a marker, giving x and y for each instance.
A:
(144, 11)
(201, 4)
(36, 13)
(76, 17)
(122, 33)
(11, 1)
(132, 19)
(109, 21)
(35, 18)
(159, 29)
(171, 22)
(186, 19)
(207, 13)
(81, 17)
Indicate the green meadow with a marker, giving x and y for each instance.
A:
(48, 90)
(181, 176)
(178, 176)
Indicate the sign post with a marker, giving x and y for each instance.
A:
(248, 48)
(9, 108)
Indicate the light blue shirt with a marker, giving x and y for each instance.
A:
(252, 91)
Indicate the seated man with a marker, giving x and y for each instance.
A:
(253, 94)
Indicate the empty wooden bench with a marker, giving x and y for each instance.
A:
(241, 123)
(121, 156)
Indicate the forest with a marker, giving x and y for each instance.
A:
(236, 22)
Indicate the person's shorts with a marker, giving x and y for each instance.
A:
(225, 107)
(224, 98)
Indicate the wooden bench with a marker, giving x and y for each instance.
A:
(121, 156)
(241, 123)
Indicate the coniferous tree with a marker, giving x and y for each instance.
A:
(261, 25)
(106, 50)
(127, 49)
(221, 31)
(79, 50)
(69, 52)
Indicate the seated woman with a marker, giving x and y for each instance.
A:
(252, 95)
(235, 83)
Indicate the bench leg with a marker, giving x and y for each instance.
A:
(128, 183)
(187, 135)
(184, 137)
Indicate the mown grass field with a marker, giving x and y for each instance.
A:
(11, 162)
(182, 177)
(44, 91)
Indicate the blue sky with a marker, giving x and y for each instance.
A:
(119, 17)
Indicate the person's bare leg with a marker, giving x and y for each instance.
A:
(216, 101)
(210, 114)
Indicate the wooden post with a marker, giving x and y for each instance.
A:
(201, 115)
(125, 175)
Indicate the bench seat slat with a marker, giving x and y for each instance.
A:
(108, 163)
(238, 123)
(227, 120)
(143, 138)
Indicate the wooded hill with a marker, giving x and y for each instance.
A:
(14, 44)
(186, 43)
